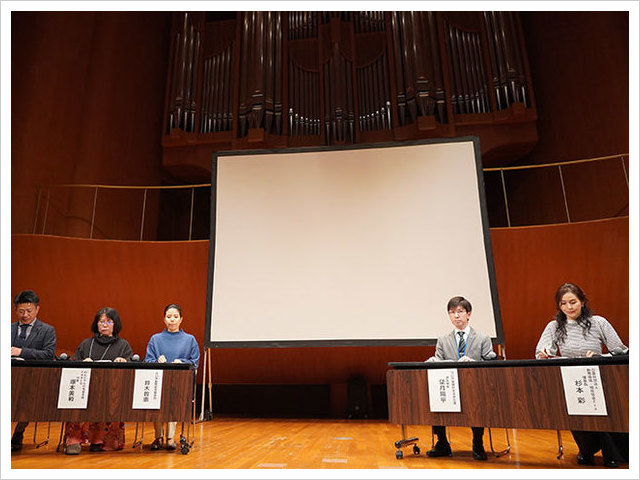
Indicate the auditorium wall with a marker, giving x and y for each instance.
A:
(87, 91)
(87, 98)
(87, 105)
(580, 73)
(76, 277)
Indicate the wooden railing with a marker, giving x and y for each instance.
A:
(516, 196)
(577, 190)
(56, 199)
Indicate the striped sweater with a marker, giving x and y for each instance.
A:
(575, 343)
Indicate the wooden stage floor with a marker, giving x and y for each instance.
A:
(259, 443)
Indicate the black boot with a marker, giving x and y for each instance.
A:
(441, 449)
(16, 440)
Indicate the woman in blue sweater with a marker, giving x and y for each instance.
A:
(172, 345)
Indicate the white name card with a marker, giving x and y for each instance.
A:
(583, 390)
(147, 389)
(74, 388)
(444, 390)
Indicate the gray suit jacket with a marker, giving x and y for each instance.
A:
(478, 347)
(40, 344)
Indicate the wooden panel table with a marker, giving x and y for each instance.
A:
(35, 385)
(509, 394)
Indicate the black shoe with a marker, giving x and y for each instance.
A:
(608, 462)
(16, 441)
(157, 444)
(440, 450)
(585, 459)
(96, 447)
(479, 453)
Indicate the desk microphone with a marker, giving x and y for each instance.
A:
(135, 358)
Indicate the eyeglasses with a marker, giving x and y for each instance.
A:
(106, 322)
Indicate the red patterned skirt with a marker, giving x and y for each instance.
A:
(108, 434)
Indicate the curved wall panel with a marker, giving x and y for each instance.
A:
(76, 277)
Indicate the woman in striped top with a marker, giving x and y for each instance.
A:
(577, 332)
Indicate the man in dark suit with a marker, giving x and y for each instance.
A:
(463, 344)
(31, 339)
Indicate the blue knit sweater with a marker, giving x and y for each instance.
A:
(178, 345)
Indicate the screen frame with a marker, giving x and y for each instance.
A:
(209, 343)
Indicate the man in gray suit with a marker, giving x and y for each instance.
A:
(31, 339)
(463, 344)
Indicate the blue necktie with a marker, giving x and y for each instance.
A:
(461, 344)
(22, 337)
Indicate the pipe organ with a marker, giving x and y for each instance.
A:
(243, 80)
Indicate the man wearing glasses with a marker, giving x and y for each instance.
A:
(463, 344)
(31, 339)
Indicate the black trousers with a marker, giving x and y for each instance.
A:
(20, 426)
(440, 432)
(614, 445)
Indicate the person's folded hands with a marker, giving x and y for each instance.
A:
(464, 358)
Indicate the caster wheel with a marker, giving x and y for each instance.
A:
(416, 450)
(398, 444)
(184, 450)
(399, 454)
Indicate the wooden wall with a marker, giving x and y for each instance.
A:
(532, 262)
(76, 277)
(87, 91)
(580, 70)
(79, 115)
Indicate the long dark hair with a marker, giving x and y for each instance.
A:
(584, 319)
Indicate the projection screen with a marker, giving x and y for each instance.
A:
(362, 246)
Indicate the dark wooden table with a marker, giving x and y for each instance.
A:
(509, 394)
(35, 385)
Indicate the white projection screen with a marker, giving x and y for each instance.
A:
(361, 246)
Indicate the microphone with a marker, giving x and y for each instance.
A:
(135, 357)
(63, 356)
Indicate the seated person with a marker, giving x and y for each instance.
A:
(577, 332)
(463, 344)
(176, 346)
(31, 339)
(105, 344)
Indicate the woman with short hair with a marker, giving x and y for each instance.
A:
(104, 345)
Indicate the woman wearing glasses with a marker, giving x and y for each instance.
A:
(104, 345)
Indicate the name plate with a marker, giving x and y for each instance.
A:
(583, 391)
(74, 388)
(444, 390)
(147, 389)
